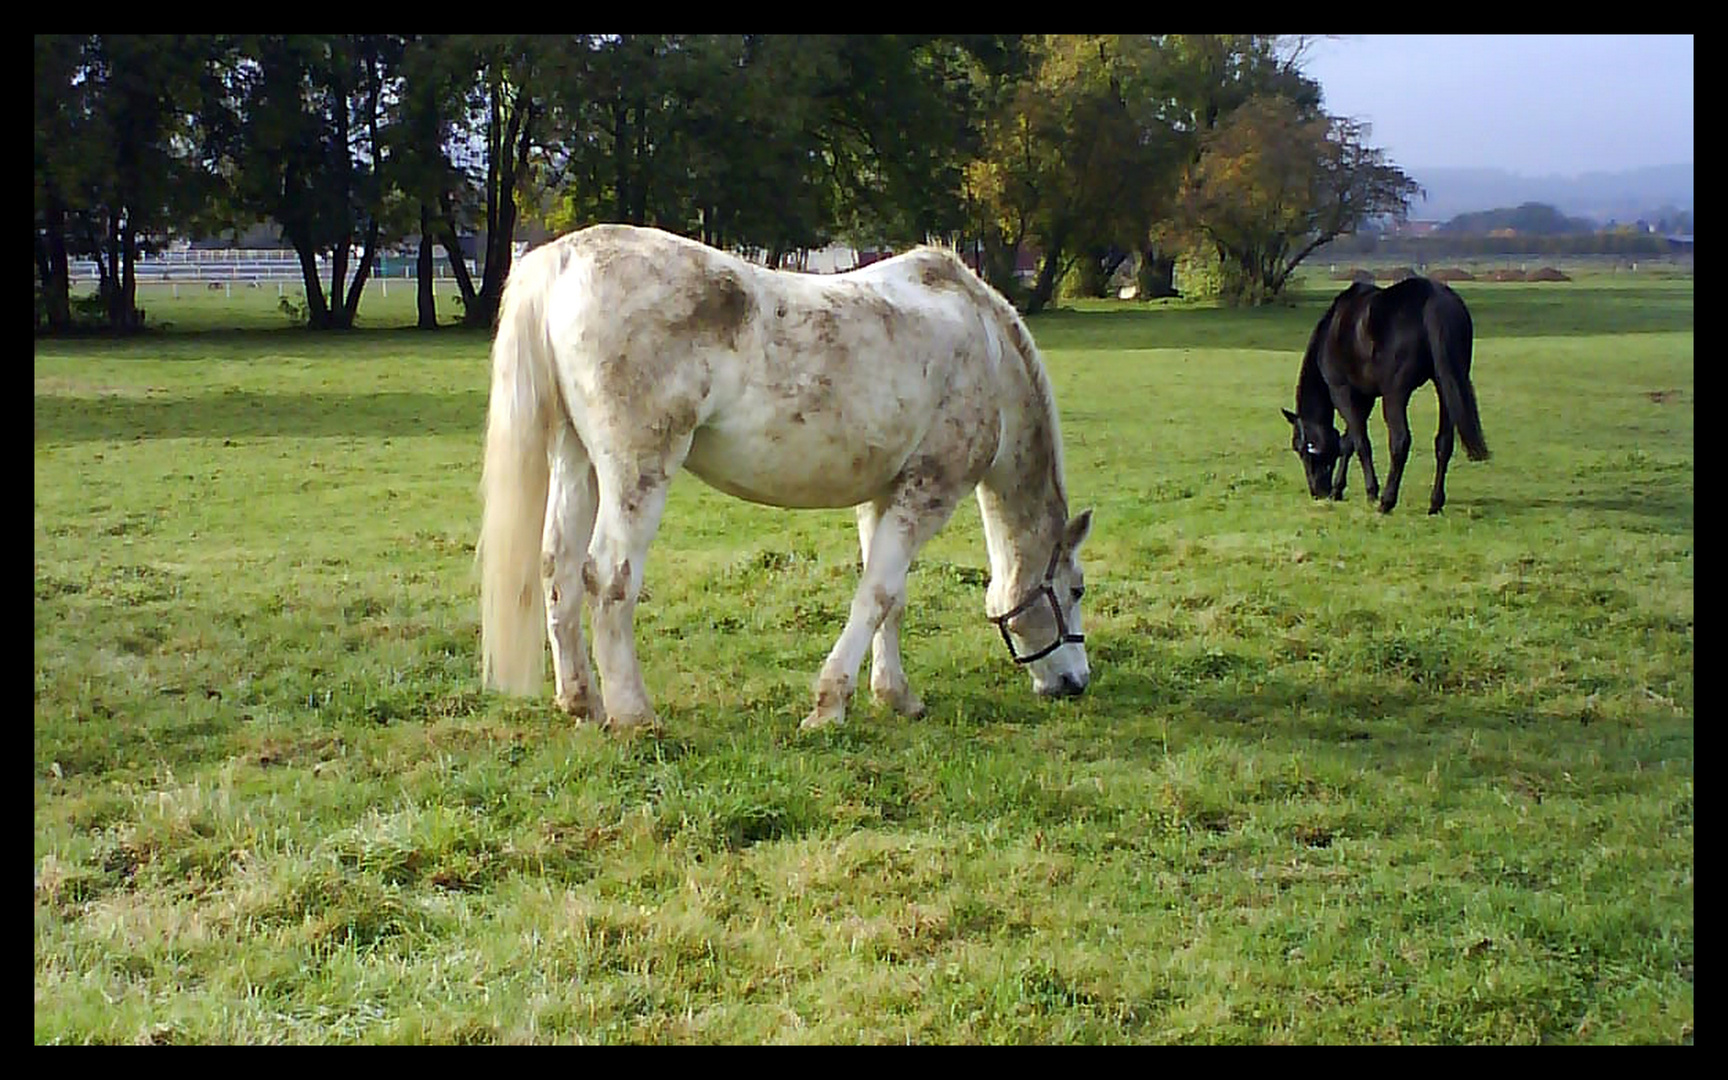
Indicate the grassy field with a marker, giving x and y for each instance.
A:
(1339, 778)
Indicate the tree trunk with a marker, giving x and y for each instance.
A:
(501, 225)
(57, 282)
(111, 279)
(361, 273)
(1000, 257)
(1096, 268)
(639, 208)
(317, 314)
(1157, 275)
(453, 250)
(44, 275)
(1045, 286)
(620, 161)
(423, 268)
(131, 317)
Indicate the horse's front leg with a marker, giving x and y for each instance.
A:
(1346, 447)
(632, 498)
(1356, 410)
(888, 683)
(899, 532)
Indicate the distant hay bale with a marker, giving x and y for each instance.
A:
(1355, 273)
(1548, 273)
(1397, 273)
(1505, 275)
(1451, 273)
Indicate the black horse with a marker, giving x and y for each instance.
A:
(1375, 342)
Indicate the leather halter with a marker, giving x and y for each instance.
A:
(1044, 589)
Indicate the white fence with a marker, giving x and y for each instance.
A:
(240, 264)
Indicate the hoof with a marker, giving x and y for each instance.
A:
(906, 703)
(1385, 507)
(579, 708)
(818, 719)
(640, 722)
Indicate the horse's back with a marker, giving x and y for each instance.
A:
(794, 389)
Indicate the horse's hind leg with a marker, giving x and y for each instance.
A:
(632, 496)
(1442, 458)
(888, 684)
(570, 504)
(900, 531)
(1395, 409)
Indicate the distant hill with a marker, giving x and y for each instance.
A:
(1531, 219)
(1599, 196)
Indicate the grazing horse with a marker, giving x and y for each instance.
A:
(1373, 343)
(623, 354)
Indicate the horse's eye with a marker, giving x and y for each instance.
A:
(1079, 591)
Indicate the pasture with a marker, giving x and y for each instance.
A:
(1339, 777)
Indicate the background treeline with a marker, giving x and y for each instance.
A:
(1086, 152)
(1438, 245)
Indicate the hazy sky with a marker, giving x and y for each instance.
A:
(1532, 104)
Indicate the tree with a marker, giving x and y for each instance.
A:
(297, 125)
(1190, 84)
(1085, 147)
(114, 169)
(56, 153)
(428, 120)
(1270, 186)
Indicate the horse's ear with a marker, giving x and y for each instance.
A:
(1290, 416)
(1078, 528)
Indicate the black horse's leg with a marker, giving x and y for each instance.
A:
(1442, 458)
(1355, 408)
(1394, 409)
(1342, 471)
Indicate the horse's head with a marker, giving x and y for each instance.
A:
(1318, 445)
(1042, 628)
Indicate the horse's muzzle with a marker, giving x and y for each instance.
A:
(1067, 686)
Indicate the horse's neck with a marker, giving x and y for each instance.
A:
(1313, 398)
(1023, 512)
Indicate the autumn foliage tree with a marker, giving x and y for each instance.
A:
(1272, 184)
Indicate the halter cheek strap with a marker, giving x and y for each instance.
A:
(1044, 590)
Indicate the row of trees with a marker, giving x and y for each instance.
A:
(1089, 149)
(1437, 246)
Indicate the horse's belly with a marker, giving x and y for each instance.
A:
(800, 464)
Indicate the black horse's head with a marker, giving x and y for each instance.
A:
(1318, 445)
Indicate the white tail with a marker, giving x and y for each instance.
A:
(513, 482)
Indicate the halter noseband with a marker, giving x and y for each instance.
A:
(1044, 589)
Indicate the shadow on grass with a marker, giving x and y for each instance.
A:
(241, 414)
(1668, 509)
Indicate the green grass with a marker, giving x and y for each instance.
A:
(1339, 778)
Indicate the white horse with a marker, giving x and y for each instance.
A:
(624, 353)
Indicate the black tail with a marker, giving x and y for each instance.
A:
(1449, 336)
